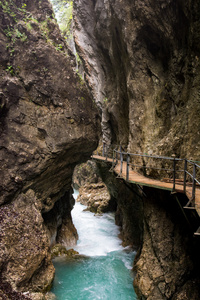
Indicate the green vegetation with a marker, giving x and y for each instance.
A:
(59, 47)
(64, 13)
(6, 7)
(81, 80)
(10, 69)
(20, 35)
(29, 26)
(13, 34)
(11, 9)
(22, 24)
(78, 60)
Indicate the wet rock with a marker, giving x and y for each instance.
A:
(96, 197)
(60, 250)
(40, 296)
(61, 254)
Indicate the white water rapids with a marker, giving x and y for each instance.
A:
(106, 273)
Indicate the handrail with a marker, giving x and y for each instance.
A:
(174, 170)
(151, 156)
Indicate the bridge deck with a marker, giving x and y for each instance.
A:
(135, 177)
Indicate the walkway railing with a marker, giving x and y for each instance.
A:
(179, 171)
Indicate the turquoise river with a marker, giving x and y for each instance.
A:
(106, 272)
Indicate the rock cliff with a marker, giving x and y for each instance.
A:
(142, 64)
(167, 266)
(48, 124)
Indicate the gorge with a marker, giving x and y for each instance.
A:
(138, 87)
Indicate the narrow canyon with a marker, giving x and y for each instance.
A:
(122, 73)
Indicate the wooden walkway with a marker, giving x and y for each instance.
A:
(136, 178)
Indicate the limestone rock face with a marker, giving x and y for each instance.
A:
(95, 196)
(86, 173)
(129, 215)
(166, 266)
(48, 124)
(141, 62)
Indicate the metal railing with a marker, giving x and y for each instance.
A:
(194, 166)
(179, 171)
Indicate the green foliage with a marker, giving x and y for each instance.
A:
(44, 28)
(64, 14)
(10, 8)
(78, 59)
(81, 80)
(29, 26)
(59, 47)
(10, 69)
(8, 31)
(19, 35)
(14, 33)
(6, 7)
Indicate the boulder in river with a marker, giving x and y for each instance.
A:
(96, 197)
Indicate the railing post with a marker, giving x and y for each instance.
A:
(116, 159)
(113, 161)
(103, 149)
(194, 182)
(127, 166)
(174, 174)
(121, 159)
(185, 175)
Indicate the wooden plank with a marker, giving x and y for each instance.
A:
(142, 180)
(102, 158)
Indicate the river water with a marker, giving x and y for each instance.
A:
(106, 272)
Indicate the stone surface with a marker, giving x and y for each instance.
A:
(141, 61)
(129, 215)
(58, 222)
(95, 196)
(60, 250)
(86, 173)
(167, 264)
(48, 124)
(24, 252)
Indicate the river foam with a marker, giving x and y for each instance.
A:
(106, 273)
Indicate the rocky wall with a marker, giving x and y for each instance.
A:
(167, 266)
(48, 124)
(141, 62)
